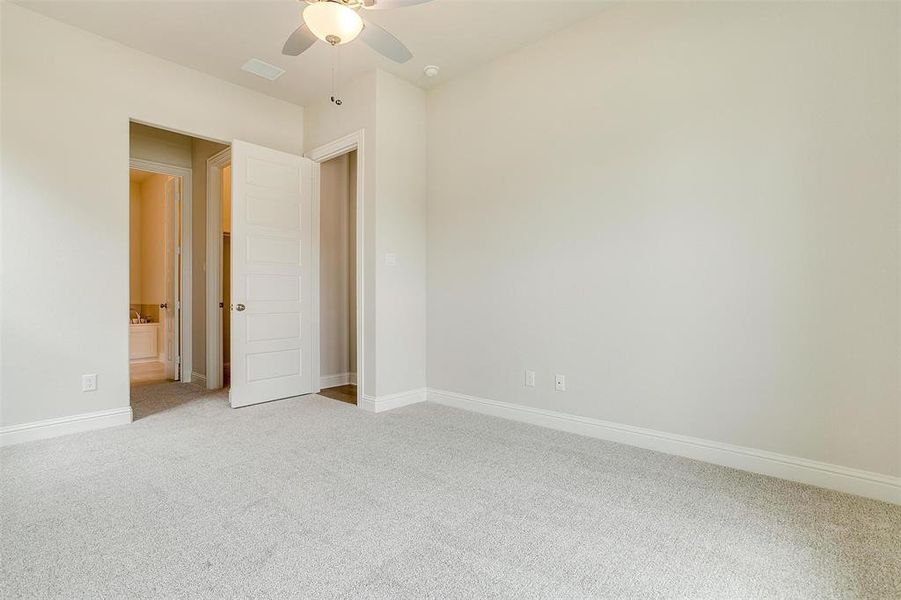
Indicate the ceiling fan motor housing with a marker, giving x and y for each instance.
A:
(337, 22)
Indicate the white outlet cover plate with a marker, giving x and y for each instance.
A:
(560, 383)
(88, 383)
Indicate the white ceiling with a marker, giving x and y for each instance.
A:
(219, 36)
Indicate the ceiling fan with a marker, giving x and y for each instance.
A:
(339, 22)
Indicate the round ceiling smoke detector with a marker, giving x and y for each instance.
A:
(431, 71)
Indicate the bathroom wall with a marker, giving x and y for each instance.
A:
(147, 243)
(153, 240)
(147, 248)
(134, 242)
(226, 183)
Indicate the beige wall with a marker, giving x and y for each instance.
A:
(147, 249)
(152, 235)
(691, 211)
(400, 230)
(394, 221)
(158, 145)
(336, 229)
(225, 175)
(72, 191)
(134, 242)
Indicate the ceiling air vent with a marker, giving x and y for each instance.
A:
(263, 69)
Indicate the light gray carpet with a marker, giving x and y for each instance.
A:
(312, 497)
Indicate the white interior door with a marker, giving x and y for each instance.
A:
(271, 286)
(170, 309)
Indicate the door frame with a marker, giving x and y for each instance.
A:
(214, 365)
(184, 284)
(344, 145)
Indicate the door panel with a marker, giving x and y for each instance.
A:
(261, 328)
(284, 251)
(271, 236)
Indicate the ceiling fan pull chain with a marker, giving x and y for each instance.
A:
(335, 63)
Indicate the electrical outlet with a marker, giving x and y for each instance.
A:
(89, 382)
(530, 379)
(560, 383)
(391, 259)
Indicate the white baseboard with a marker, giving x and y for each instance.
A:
(330, 381)
(390, 401)
(39, 430)
(826, 475)
(197, 378)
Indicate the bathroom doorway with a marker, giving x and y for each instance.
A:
(156, 196)
(167, 320)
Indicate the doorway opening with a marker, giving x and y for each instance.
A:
(337, 277)
(339, 186)
(155, 241)
(253, 220)
(166, 327)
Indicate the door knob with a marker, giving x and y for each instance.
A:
(239, 307)
(164, 305)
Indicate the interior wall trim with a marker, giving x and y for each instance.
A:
(39, 430)
(327, 381)
(392, 401)
(835, 477)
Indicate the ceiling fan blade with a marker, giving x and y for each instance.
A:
(300, 40)
(384, 43)
(383, 4)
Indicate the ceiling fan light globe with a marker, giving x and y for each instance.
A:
(333, 22)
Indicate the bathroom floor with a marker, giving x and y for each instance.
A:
(147, 372)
